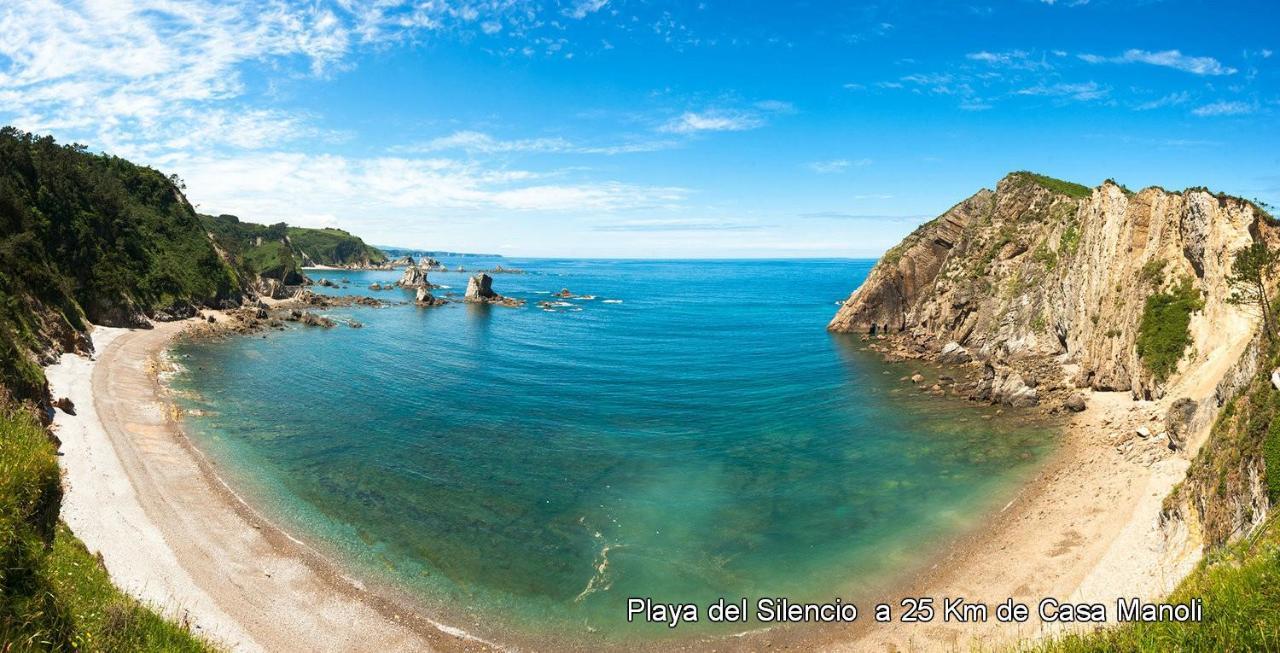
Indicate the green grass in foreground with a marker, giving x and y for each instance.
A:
(1240, 586)
(55, 595)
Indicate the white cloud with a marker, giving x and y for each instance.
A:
(479, 142)
(1018, 59)
(836, 165)
(1083, 92)
(281, 185)
(691, 122)
(583, 8)
(475, 142)
(1168, 59)
(1224, 108)
(1170, 100)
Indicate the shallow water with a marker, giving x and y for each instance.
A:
(691, 433)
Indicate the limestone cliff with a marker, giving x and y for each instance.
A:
(1046, 284)
(1042, 268)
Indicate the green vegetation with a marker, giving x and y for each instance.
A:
(86, 236)
(1070, 241)
(331, 246)
(279, 251)
(1070, 189)
(1046, 257)
(1271, 461)
(56, 595)
(1240, 587)
(1250, 272)
(1152, 272)
(1163, 335)
(83, 237)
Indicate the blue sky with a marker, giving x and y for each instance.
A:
(644, 128)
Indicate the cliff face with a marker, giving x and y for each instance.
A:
(1039, 268)
(1104, 289)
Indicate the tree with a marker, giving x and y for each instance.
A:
(1249, 280)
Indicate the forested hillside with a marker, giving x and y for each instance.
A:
(91, 237)
(279, 251)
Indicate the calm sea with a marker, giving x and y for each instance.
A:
(690, 433)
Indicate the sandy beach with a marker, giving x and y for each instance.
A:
(173, 534)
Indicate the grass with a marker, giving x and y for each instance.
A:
(1240, 587)
(55, 595)
(1271, 461)
(1163, 336)
(1070, 189)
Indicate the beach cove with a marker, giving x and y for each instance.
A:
(383, 594)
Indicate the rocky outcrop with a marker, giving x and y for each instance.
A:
(425, 298)
(415, 276)
(480, 290)
(1029, 271)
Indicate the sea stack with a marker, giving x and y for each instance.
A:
(415, 276)
(425, 298)
(480, 288)
(480, 291)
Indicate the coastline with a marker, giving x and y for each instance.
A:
(171, 533)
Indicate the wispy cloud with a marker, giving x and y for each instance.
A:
(1082, 91)
(835, 166)
(677, 224)
(1168, 59)
(475, 142)
(839, 215)
(1170, 100)
(583, 8)
(1225, 108)
(714, 120)
(1016, 59)
(280, 184)
(479, 142)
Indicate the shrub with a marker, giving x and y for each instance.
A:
(1163, 336)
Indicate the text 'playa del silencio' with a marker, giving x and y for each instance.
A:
(910, 610)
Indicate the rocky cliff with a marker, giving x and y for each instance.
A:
(1042, 268)
(1046, 285)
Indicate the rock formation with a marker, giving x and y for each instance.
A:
(1032, 271)
(480, 290)
(425, 298)
(415, 276)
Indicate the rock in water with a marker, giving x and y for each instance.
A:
(414, 277)
(480, 288)
(953, 353)
(425, 298)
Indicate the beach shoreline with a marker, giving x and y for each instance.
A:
(174, 534)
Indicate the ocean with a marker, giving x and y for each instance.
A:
(691, 432)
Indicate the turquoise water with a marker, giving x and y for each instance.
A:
(697, 435)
